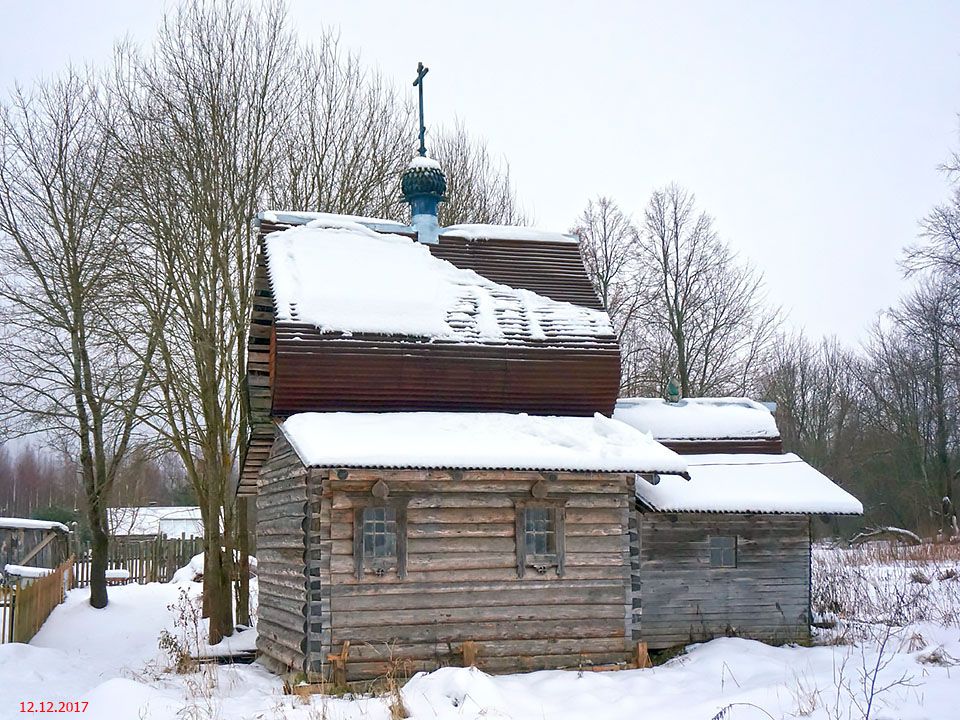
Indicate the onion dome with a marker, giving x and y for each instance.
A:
(423, 177)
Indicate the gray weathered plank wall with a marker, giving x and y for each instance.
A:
(462, 582)
(281, 566)
(679, 598)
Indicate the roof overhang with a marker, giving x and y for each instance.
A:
(737, 483)
(476, 441)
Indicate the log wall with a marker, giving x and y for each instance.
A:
(281, 560)
(679, 598)
(462, 581)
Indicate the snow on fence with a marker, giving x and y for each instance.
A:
(26, 605)
(145, 560)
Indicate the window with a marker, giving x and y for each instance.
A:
(379, 539)
(380, 533)
(540, 538)
(723, 551)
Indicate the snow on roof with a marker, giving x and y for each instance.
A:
(299, 217)
(343, 277)
(477, 441)
(28, 524)
(719, 418)
(748, 483)
(506, 232)
(172, 521)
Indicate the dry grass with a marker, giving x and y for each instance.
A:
(882, 552)
(885, 583)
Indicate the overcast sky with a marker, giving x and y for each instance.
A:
(811, 132)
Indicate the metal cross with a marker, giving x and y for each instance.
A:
(418, 83)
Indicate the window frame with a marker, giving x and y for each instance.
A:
(733, 551)
(541, 562)
(379, 567)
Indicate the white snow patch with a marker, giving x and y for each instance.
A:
(343, 277)
(190, 572)
(698, 418)
(298, 217)
(748, 483)
(505, 232)
(28, 524)
(418, 161)
(26, 571)
(476, 441)
(193, 570)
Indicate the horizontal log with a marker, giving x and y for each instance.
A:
(453, 632)
(507, 614)
(495, 648)
(454, 577)
(538, 595)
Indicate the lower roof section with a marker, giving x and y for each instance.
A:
(737, 483)
(476, 441)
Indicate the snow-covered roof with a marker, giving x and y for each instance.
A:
(341, 276)
(748, 483)
(29, 524)
(299, 217)
(722, 418)
(506, 232)
(172, 521)
(475, 441)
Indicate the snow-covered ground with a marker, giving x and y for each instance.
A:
(911, 669)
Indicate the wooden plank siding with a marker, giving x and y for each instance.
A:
(281, 560)
(461, 580)
(679, 598)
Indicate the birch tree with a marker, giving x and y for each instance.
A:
(78, 347)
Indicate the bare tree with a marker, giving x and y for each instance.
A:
(203, 119)
(347, 138)
(479, 189)
(708, 311)
(608, 246)
(924, 320)
(71, 326)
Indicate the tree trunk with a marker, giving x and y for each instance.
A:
(98, 557)
(218, 582)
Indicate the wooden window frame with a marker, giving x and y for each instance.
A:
(541, 563)
(723, 551)
(379, 567)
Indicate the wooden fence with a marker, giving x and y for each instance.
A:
(25, 606)
(147, 560)
(7, 596)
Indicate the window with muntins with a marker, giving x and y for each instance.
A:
(540, 530)
(723, 551)
(379, 539)
(379, 532)
(540, 538)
